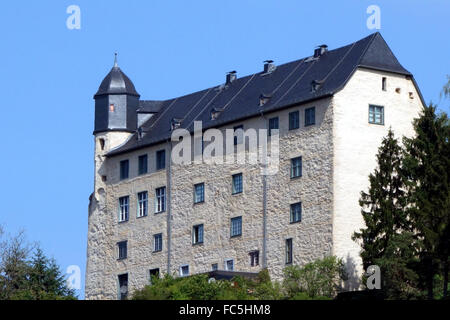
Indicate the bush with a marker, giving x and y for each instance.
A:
(317, 280)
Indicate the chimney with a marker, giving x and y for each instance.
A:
(269, 66)
(231, 76)
(320, 50)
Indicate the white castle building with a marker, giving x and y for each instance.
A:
(150, 215)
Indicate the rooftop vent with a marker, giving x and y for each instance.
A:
(231, 76)
(269, 66)
(320, 50)
(316, 84)
(175, 123)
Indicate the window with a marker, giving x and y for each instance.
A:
(273, 124)
(296, 212)
(123, 286)
(229, 265)
(161, 159)
(160, 201)
(237, 183)
(254, 258)
(122, 250)
(157, 242)
(184, 270)
(289, 251)
(376, 114)
(310, 116)
(214, 267)
(238, 135)
(154, 273)
(123, 208)
(383, 83)
(142, 204)
(236, 226)
(143, 161)
(102, 144)
(197, 234)
(124, 165)
(296, 167)
(294, 120)
(199, 193)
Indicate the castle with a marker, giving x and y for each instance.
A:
(149, 215)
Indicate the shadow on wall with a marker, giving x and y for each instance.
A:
(353, 281)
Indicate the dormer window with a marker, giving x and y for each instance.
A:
(175, 124)
(215, 113)
(263, 99)
(315, 85)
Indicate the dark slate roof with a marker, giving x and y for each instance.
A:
(149, 106)
(288, 85)
(116, 82)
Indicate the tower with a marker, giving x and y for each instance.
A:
(116, 102)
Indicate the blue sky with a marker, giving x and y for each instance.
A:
(168, 48)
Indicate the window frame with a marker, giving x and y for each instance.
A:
(160, 207)
(123, 250)
(300, 174)
(311, 110)
(141, 202)
(226, 264)
(235, 137)
(375, 106)
(234, 235)
(293, 216)
(196, 200)
(124, 164)
(124, 208)
(233, 186)
(158, 240)
(289, 248)
(271, 121)
(181, 270)
(160, 165)
(142, 164)
(198, 232)
(254, 258)
(297, 121)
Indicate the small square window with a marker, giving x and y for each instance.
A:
(199, 193)
(237, 183)
(157, 242)
(296, 212)
(122, 250)
(376, 114)
(197, 234)
(161, 159)
(236, 226)
(296, 167)
(143, 164)
(214, 267)
(154, 273)
(310, 116)
(294, 120)
(124, 167)
(184, 270)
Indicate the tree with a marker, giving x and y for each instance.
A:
(27, 274)
(387, 236)
(426, 168)
(446, 89)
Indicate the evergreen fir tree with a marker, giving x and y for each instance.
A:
(427, 168)
(387, 238)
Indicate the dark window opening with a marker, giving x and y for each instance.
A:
(124, 167)
(296, 212)
(296, 167)
(123, 286)
(122, 248)
(254, 258)
(238, 134)
(383, 83)
(102, 144)
(288, 251)
(294, 120)
(160, 159)
(143, 164)
(273, 125)
(197, 234)
(310, 116)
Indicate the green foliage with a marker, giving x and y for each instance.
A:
(27, 274)
(316, 280)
